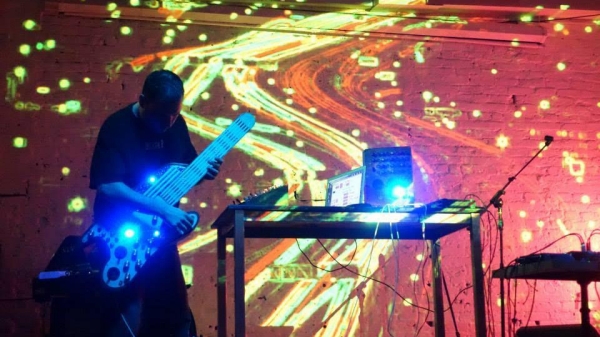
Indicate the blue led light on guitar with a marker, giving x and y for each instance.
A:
(129, 233)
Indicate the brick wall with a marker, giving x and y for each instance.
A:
(472, 113)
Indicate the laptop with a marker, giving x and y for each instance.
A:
(346, 188)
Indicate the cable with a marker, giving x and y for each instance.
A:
(127, 325)
(451, 310)
(327, 270)
(533, 299)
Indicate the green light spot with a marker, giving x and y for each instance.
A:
(43, 90)
(29, 24)
(64, 84)
(25, 49)
(87, 80)
(564, 7)
(125, 30)
(588, 29)
(39, 46)
(167, 40)
(171, 32)
(526, 17)
(20, 142)
(76, 204)
(111, 6)
(182, 27)
(561, 66)
(116, 14)
(188, 274)
(65, 171)
(134, 3)
(558, 27)
(50, 44)
(20, 72)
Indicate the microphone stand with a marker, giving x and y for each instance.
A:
(498, 203)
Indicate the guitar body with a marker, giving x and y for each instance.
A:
(129, 242)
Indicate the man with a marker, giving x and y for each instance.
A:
(132, 144)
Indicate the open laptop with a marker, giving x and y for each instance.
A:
(346, 188)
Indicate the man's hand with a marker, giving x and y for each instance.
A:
(179, 219)
(213, 169)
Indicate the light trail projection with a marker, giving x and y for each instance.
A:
(323, 89)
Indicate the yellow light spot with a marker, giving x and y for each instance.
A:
(184, 200)
(259, 172)
(86, 80)
(397, 114)
(29, 24)
(64, 83)
(312, 110)
(356, 132)
(134, 3)
(414, 277)
(579, 180)
(407, 302)
(289, 133)
(170, 32)
(545, 104)
(248, 11)
(532, 132)
(377, 95)
(299, 143)
(518, 114)
(20, 72)
(271, 81)
(526, 236)
(515, 43)
(50, 44)
(394, 83)
(111, 6)
(167, 40)
(235, 107)
(453, 104)
(116, 14)
(561, 66)
(25, 49)
(396, 64)
(476, 113)
(278, 182)
(585, 199)
(502, 141)
(494, 71)
(203, 205)
(380, 105)
(483, 266)
(43, 90)
(540, 224)
(436, 99)
(228, 180)
(399, 103)
(233, 16)
(20, 142)
(427, 96)
(65, 171)
(588, 29)
(420, 257)
(591, 224)
(125, 30)
(558, 27)
(289, 101)
(522, 214)
(499, 302)
(205, 95)
(202, 37)
(564, 7)
(229, 248)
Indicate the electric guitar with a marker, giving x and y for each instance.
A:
(132, 242)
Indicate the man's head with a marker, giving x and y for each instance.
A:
(160, 101)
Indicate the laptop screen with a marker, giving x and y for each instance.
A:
(346, 188)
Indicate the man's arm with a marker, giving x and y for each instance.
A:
(173, 215)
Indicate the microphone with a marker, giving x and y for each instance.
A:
(548, 140)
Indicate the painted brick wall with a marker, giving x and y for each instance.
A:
(472, 113)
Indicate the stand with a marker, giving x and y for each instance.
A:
(498, 203)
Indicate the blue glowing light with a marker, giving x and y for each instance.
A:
(152, 179)
(129, 233)
(156, 234)
(399, 192)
